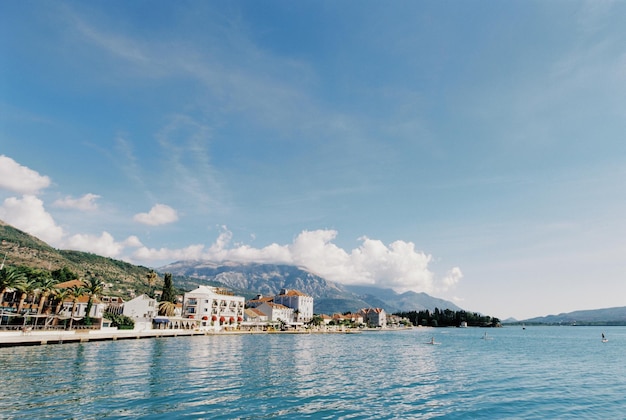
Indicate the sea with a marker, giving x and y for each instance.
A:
(540, 372)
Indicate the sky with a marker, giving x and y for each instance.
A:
(472, 150)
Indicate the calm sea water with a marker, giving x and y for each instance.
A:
(537, 373)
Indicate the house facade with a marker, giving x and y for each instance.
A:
(215, 308)
(374, 317)
(80, 310)
(301, 303)
(276, 312)
(141, 307)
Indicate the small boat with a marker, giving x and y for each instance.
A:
(486, 337)
(604, 339)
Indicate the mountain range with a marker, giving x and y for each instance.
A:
(330, 297)
(18, 248)
(248, 280)
(605, 316)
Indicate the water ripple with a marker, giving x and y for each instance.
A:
(540, 373)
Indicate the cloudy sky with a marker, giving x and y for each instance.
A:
(475, 151)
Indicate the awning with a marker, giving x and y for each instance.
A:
(214, 318)
(205, 318)
(161, 320)
(222, 319)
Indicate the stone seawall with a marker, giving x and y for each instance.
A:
(34, 338)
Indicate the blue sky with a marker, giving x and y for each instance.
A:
(471, 150)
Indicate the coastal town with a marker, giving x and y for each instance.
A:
(77, 310)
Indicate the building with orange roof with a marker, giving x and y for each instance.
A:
(215, 308)
(301, 303)
(374, 317)
(276, 312)
(259, 300)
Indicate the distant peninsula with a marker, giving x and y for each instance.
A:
(608, 316)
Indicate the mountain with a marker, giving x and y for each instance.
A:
(124, 279)
(22, 249)
(606, 316)
(330, 297)
(407, 301)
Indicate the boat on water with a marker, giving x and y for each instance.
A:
(486, 337)
(604, 339)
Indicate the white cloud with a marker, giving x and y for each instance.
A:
(160, 214)
(85, 203)
(133, 242)
(20, 179)
(192, 252)
(104, 244)
(29, 215)
(452, 278)
(397, 265)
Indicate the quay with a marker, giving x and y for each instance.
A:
(36, 337)
(44, 337)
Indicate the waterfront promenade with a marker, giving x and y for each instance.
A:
(39, 337)
(42, 337)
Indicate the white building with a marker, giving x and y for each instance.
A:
(80, 310)
(301, 303)
(215, 308)
(80, 306)
(276, 312)
(374, 317)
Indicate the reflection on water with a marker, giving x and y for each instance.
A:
(538, 374)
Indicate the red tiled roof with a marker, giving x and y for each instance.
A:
(294, 293)
(70, 283)
(263, 299)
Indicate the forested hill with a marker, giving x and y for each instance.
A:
(24, 250)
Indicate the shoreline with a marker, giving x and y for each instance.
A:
(36, 338)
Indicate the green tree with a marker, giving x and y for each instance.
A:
(168, 294)
(317, 320)
(167, 308)
(151, 279)
(63, 274)
(60, 295)
(27, 288)
(76, 292)
(94, 287)
(10, 279)
(45, 286)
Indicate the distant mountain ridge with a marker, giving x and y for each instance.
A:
(125, 279)
(330, 297)
(605, 316)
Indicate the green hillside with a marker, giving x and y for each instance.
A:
(21, 249)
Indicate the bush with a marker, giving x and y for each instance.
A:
(122, 322)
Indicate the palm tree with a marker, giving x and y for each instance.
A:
(27, 288)
(76, 291)
(151, 277)
(46, 287)
(60, 295)
(10, 279)
(167, 308)
(94, 287)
